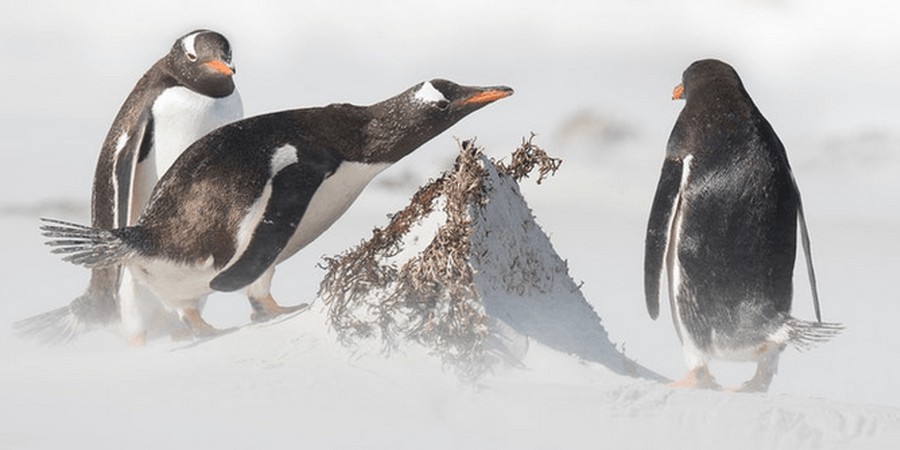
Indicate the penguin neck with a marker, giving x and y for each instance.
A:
(719, 98)
(724, 110)
(392, 133)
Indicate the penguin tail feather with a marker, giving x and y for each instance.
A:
(89, 312)
(805, 335)
(83, 245)
(54, 327)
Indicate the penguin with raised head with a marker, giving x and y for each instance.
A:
(186, 94)
(723, 228)
(251, 194)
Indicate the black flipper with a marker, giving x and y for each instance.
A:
(807, 251)
(658, 232)
(292, 190)
(125, 169)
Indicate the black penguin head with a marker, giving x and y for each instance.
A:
(708, 75)
(406, 121)
(717, 111)
(201, 61)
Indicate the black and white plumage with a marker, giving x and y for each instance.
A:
(186, 94)
(251, 194)
(723, 228)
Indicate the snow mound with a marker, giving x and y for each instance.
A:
(466, 271)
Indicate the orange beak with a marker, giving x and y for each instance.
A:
(488, 96)
(678, 92)
(219, 66)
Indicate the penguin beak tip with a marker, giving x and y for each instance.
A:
(490, 95)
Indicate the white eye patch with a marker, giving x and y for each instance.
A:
(427, 93)
(188, 43)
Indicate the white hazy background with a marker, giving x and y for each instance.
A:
(593, 80)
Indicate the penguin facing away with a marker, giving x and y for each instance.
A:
(723, 228)
(183, 96)
(251, 194)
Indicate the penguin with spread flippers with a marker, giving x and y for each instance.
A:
(186, 94)
(251, 194)
(723, 229)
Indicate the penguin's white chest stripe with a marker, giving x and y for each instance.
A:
(121, 142)
(692, 355)
(676, 219)
(331, 200)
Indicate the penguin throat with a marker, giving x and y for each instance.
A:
(389, 140)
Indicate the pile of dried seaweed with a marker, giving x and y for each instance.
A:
(431, 298)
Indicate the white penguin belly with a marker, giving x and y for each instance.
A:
(180, 116)
(330, 201)
(177, 285)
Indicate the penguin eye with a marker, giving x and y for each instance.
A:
(192, 56)
(442, 104)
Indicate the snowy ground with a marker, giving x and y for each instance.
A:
(593, 79)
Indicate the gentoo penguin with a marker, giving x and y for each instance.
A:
(186, 94)
(251, 194)
(723, 227)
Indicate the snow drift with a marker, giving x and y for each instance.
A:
(485, 282)
(508, 299)
(290, 383)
